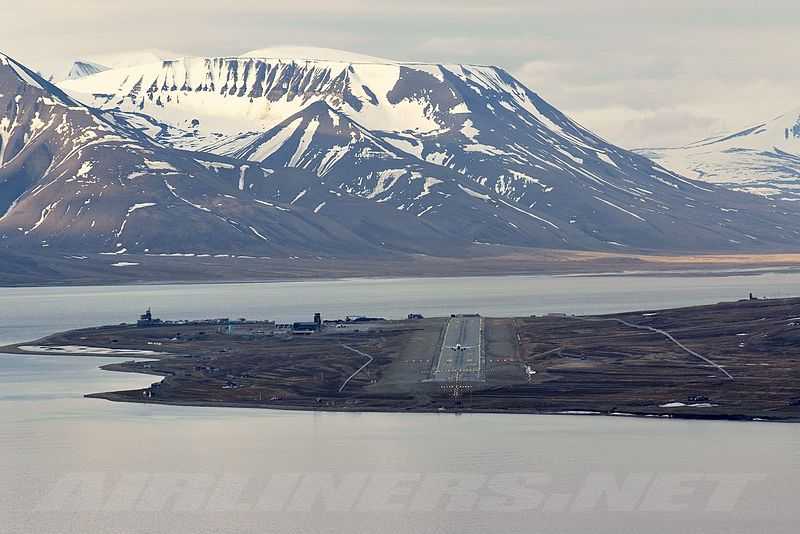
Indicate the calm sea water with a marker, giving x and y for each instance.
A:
(75, 465)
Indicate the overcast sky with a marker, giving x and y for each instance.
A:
(640, 73)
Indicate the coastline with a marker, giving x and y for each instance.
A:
(592, 365)
(699, 272)
(115, 397)
(57, 270)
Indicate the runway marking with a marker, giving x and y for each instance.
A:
(465, 332)
(444, 340)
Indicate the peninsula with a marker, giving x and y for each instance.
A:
(733, 360)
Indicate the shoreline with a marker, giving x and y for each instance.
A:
(115, 397)
(148, 270)
(556, 364)
(699, 272)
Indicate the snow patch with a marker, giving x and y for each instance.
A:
(683, 404)
(275, 142)
(242, 170)
(529, 214)
(386, 180)
(140, 206)
(459, 108)
(305, 140)
(84, 170)
(619, 208)
(215, 165)
(426, 187)
(469, 131)
(159, 165)
(603, 156)
(300, 195)
(259, 234)
(473, 193)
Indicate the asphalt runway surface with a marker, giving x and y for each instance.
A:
(461, 353)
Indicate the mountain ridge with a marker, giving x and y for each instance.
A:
(342, 171)
(763, 158)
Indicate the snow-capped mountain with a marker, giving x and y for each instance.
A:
(102, 62)
(365, 157)
(84, 68)
(763, 159)
(379, 128)
(77, 179)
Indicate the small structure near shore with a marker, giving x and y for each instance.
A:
(305, 328)
(302, 327)
(146, 320)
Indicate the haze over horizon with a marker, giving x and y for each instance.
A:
(638, 73)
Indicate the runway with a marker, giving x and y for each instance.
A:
(461, 354)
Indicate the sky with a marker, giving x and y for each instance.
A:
(639, 73)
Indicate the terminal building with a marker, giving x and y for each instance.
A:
(306, 327)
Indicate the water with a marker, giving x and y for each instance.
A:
(26, 313)
(75, 465)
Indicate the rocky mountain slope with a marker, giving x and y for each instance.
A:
(336, 157)
(76, 179)
(763, 159)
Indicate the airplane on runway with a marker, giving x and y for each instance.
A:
(458, 347)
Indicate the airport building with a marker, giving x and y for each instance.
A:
(146, 319)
